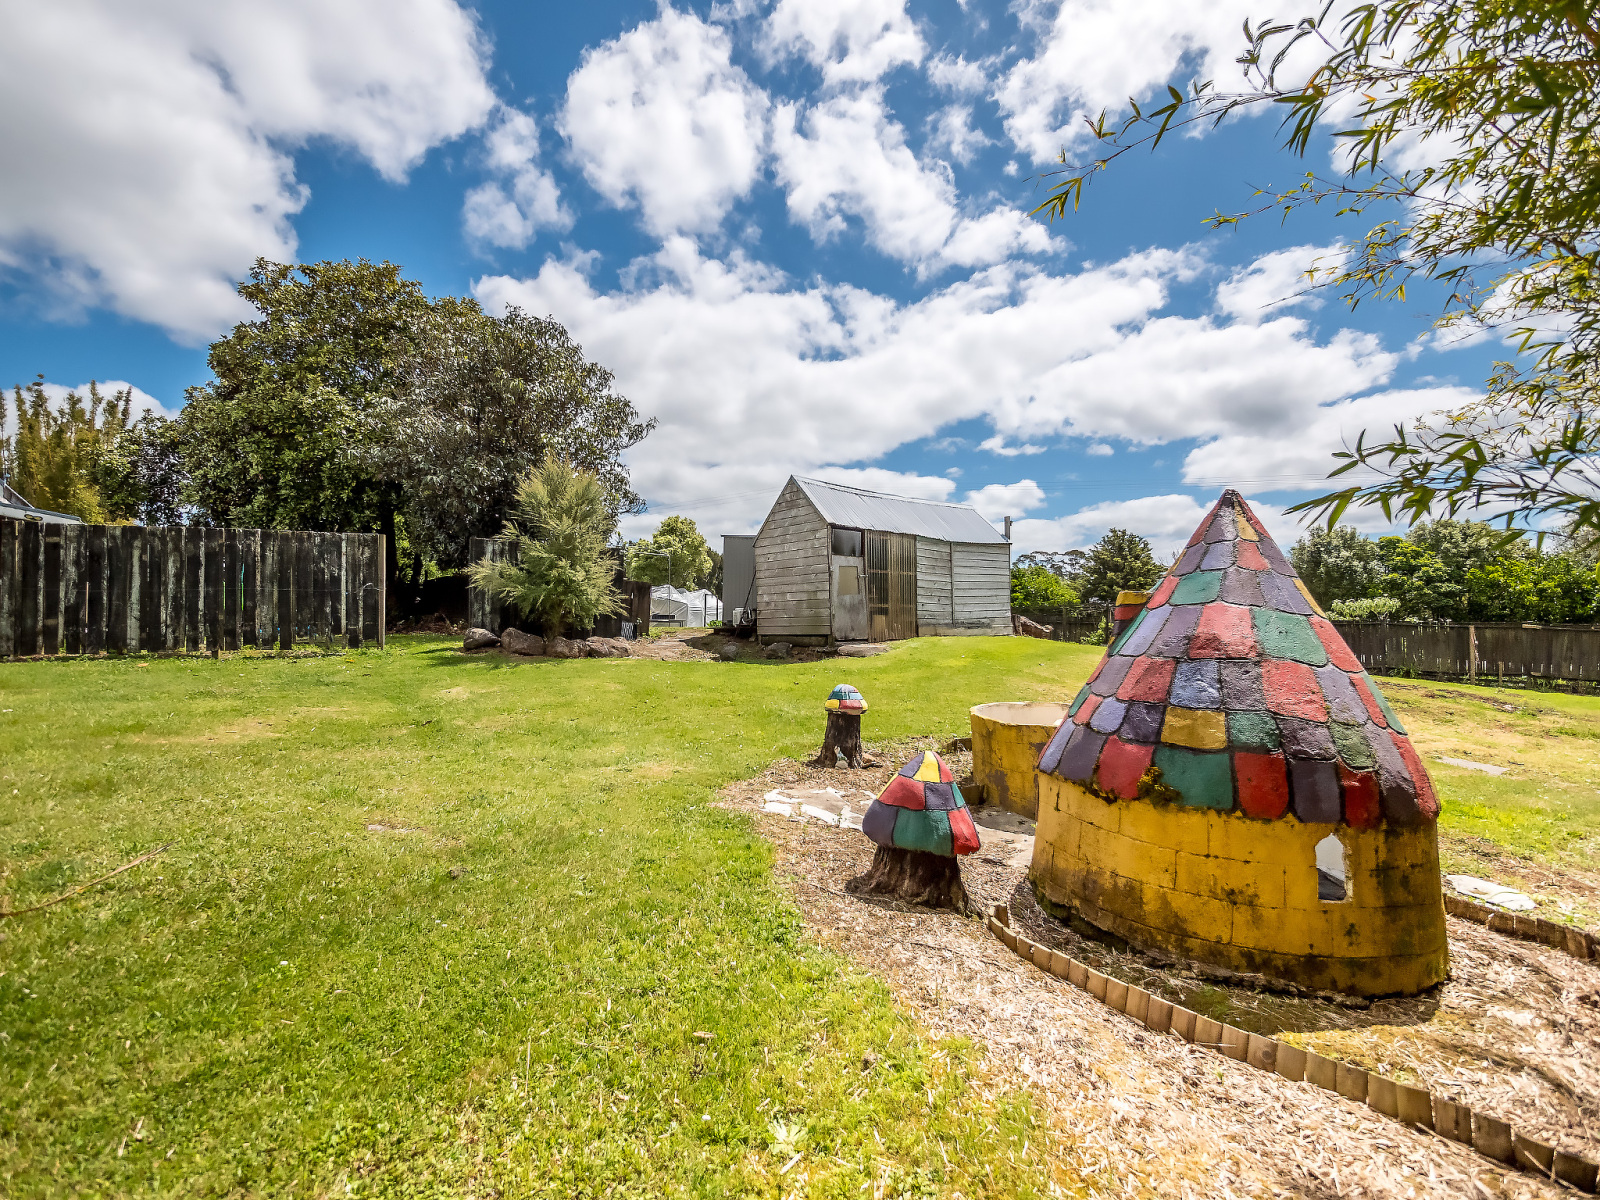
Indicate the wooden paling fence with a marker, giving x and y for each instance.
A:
(125, 589)
(1568, 653)
(1065, 624)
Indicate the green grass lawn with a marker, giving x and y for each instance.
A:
(1544, 812)
(501, 991)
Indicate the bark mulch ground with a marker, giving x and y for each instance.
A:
(1514, 1032)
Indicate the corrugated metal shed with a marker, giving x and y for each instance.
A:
(855, 508)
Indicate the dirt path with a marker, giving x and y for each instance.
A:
(1138, 1114)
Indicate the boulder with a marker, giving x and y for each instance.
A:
(861, 649)
(1022, 627)
(514, 641)
(779, 650)
(730, 652)
(563, 648)
(604, 647)
(479, 639)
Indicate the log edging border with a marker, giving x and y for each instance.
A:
(1570, 940)
(1491, 1137)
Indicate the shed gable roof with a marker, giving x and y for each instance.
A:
(857, 508)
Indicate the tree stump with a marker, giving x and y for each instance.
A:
(843, 736)
(915, 877)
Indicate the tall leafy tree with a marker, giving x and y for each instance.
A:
(1428, 588)
(477, 401)
(57, 457)
(140, 473)
(1552, 589)
(690, 558)
(276, 439)
(1036, 586)
(1502, 100)
(1336, 564)
(561, 572)
(1066, 565)
(1119, 562)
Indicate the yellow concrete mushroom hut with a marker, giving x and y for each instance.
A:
(1230, 786)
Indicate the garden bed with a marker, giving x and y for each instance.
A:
(1512, 1033)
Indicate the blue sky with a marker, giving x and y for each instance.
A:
(797, 230)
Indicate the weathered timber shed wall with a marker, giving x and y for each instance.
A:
(928, 568)
(792, 587)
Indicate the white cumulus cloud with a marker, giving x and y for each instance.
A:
(847, 157)
(1091, 55)
(953, 73)
(1267, 461)
(662, 120)
(952, 131)
(754, 377)
(997, 501)
(849, 41)
(1276, 281)
(523, 198)
(150, 145)
(142, 401)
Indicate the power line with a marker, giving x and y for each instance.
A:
(1059, 485)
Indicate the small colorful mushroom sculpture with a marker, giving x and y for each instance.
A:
(844, 707)
(921, 826)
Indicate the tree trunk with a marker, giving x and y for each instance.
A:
(842, 737)
(915, 877)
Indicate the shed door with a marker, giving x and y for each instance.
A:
(847, 558)
(849, 599)
(892, 585)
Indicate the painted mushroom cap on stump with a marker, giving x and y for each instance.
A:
(922, 809)
(1187, 802)
(845, 699)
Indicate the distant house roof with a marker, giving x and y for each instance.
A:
(857, 508)
(12, 505)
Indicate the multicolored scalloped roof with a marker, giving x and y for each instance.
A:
(922, 809)
(1232, 684)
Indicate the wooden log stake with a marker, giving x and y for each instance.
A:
(843, 737)
(914, 877)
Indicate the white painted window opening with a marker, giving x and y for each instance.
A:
(1332, 877)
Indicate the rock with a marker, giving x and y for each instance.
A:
(779, 650)
(479, 639)
(604, 647)
(563, 648)
(729, 653)
(514, 641)
(861, 649)
(1022, 627)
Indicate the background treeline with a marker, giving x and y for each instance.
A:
(1440, 571)
(352, 403)
(1449, 571)
(1080, 586)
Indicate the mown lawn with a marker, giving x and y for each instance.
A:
(554, 969)
(1543, 812)
(434, 924)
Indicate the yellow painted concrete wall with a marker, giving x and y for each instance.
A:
(1225, 889)
(1007, 739)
